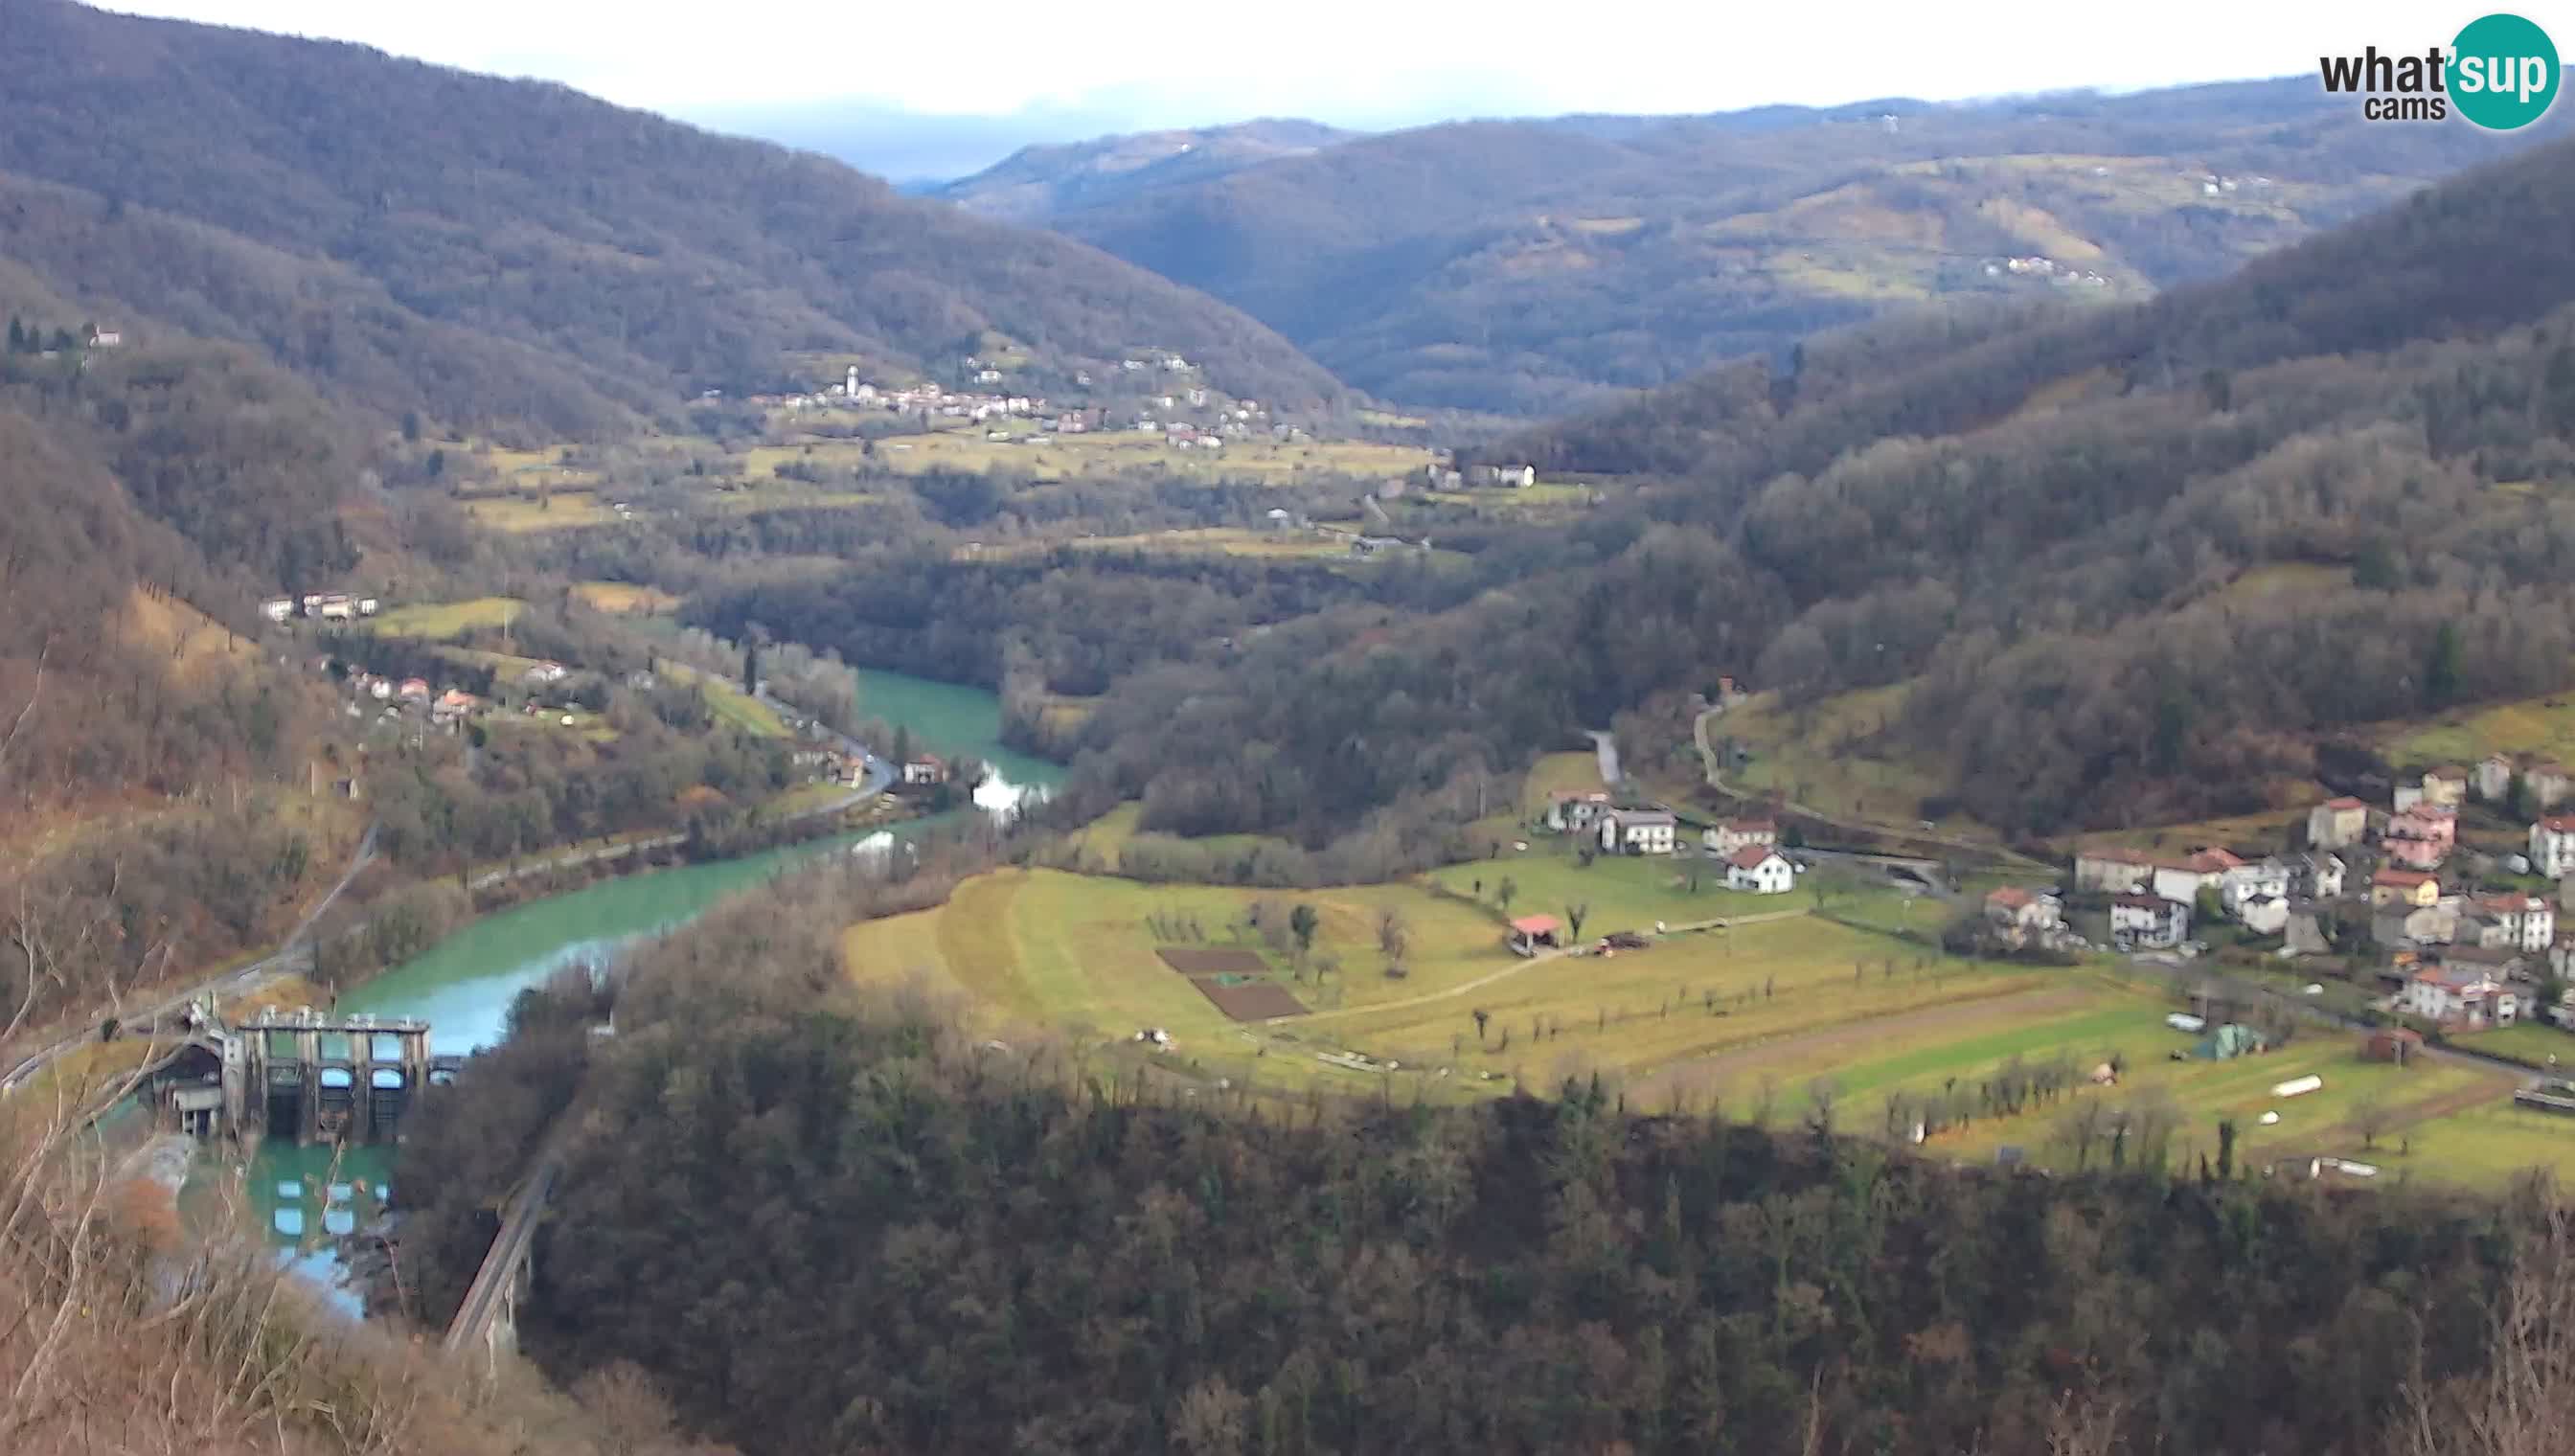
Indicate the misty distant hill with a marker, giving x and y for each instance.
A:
(1538, 264)
(1037, 183)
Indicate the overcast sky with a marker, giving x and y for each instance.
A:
(919, 90)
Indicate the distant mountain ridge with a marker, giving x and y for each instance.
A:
(1037, 182)
(1538, 266)
(510, 253)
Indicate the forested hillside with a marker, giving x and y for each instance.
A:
(2389, 409)
(1531, 267)
(148, 496)
(2059, 537)
(870, 1232)
(505, 253)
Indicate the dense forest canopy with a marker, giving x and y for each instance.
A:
(1534, 266)
(513, 254)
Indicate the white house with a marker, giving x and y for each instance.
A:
(2462, 995)
(2317, 874)
(2263, 914)
(2492, 779)
(2148, 921)
(2530, 923)
(2552, 846)
(2263, 879)
(2184, 880)
(277, 608)
(925, 770)
(1761, 869)
(1639, 832)
(1732, 834)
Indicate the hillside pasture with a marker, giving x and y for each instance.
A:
(2270, 831)
(1622, 891)
(1576, 772)
(1129, 451)
(2489, 1145)
(1685, 998)
(2542, 727)
(440, 621)
(520, 513)
(1233, 541)
(625, 599)
(194, 644)
(1081, 954)
(727, 700)
(1828, 755)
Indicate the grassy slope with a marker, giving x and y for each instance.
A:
(2543, 728)
(729, 703)
(625, 597)
(441, 619)
(1624, 893)
(1820, 756)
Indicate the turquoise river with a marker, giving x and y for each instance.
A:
(463, 986)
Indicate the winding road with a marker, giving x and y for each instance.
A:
(236, 981)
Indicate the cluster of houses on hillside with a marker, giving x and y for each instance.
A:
(2463, 939)
(1213, 419)
(1440, 474)
(319, 605)
(1749, 847)
(394, 698)
(2061, 274)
